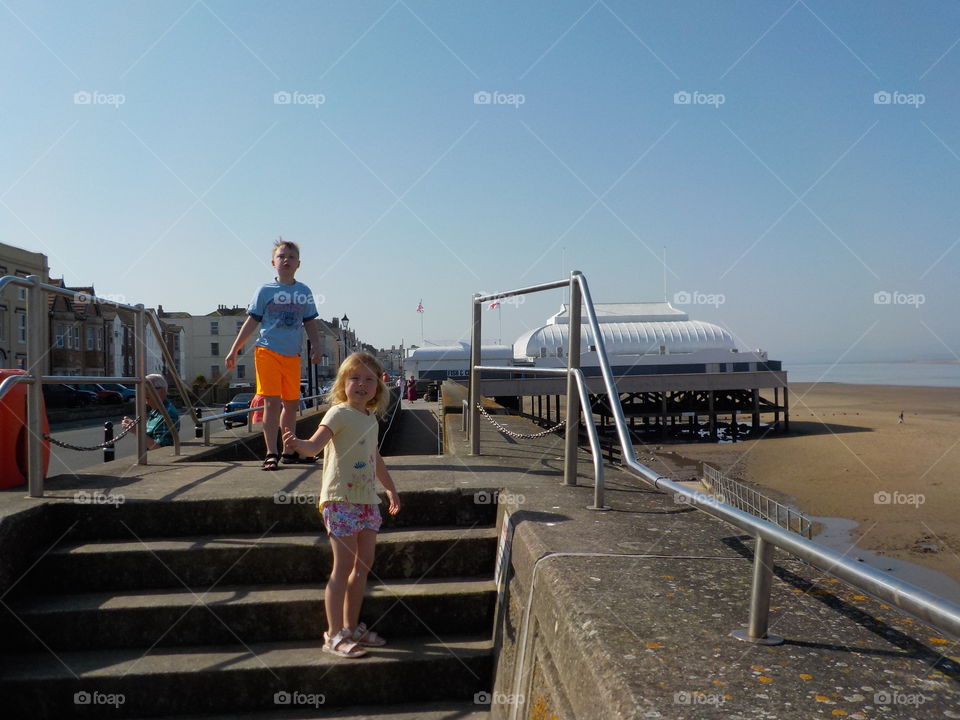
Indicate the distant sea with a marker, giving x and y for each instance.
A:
(907, 373)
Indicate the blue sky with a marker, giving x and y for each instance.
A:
(799, 161)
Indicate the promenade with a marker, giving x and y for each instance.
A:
(618, 614)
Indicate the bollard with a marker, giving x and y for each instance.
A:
(198, 428)
(109, 452)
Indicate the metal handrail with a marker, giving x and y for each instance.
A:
(938, 612)
(595, 449)
(36, 308)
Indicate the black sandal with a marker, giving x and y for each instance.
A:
(294, 458)
(270, 461)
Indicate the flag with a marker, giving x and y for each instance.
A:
(420, 306)
(494, 305)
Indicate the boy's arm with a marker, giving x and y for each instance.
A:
(383, 475)
(246, 330)
(314, 335)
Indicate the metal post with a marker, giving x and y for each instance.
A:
(475, 377)
(760, 598)
(573, 399)
(198, 427)
(140, 364)
(36, 312)
(109, 453)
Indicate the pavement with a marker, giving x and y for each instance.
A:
(618, 614)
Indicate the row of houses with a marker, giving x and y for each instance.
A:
(87, 337)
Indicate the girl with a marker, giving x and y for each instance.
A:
(348, 499)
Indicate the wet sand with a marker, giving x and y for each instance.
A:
(847, 456)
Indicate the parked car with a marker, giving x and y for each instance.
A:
(104, 396)
(240, 401)
(60, 395)
(127, 393)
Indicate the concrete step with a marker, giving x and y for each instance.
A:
(469, 710)
(183, 617)
(240, 679)
(207, 561)
(284, 511)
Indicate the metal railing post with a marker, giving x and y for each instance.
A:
(109, 450)
(756, 632)
(573, 398)
(36, 312)
(475, 378)
(140, 364)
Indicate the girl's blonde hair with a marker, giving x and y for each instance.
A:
(338, 394)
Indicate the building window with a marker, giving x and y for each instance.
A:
(58, 337)
(215, 349)
(214, 372)
(241, 372)
(3, 321)
(90, 341)
(214, 327)
(239, 325)
(99, 338)
(75, 332)
(21, 327)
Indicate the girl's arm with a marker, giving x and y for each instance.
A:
(314, 445)
(383, 475)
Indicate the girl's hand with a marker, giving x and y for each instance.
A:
(291, 441)
(394, 502)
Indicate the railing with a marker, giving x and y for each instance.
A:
(926, 606)
(206, 421)
(756, 503)
(36, 351)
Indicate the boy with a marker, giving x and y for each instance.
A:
(280, 307)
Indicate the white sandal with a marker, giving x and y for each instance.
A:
(342, 645)
(367, 638)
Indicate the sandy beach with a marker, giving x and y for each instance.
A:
(848, 456)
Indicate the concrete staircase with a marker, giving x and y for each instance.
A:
(215, 609)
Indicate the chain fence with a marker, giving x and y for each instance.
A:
(520, 436)
(102, 446)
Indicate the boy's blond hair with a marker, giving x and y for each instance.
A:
(338, 393)
(280, 242)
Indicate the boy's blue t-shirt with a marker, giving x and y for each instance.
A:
(281, 311)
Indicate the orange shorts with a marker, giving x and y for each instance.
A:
(277, 375)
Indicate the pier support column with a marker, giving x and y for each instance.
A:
(756, 410)
(786, 410)
(712, 416)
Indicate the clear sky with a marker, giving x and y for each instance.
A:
(799, 161)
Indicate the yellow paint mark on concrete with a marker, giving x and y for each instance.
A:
(765, 679)
(938, 641)
(804, 676)
(838, 711)
(654, 645)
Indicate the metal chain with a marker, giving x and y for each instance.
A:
(521, 436)
(101, 446)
